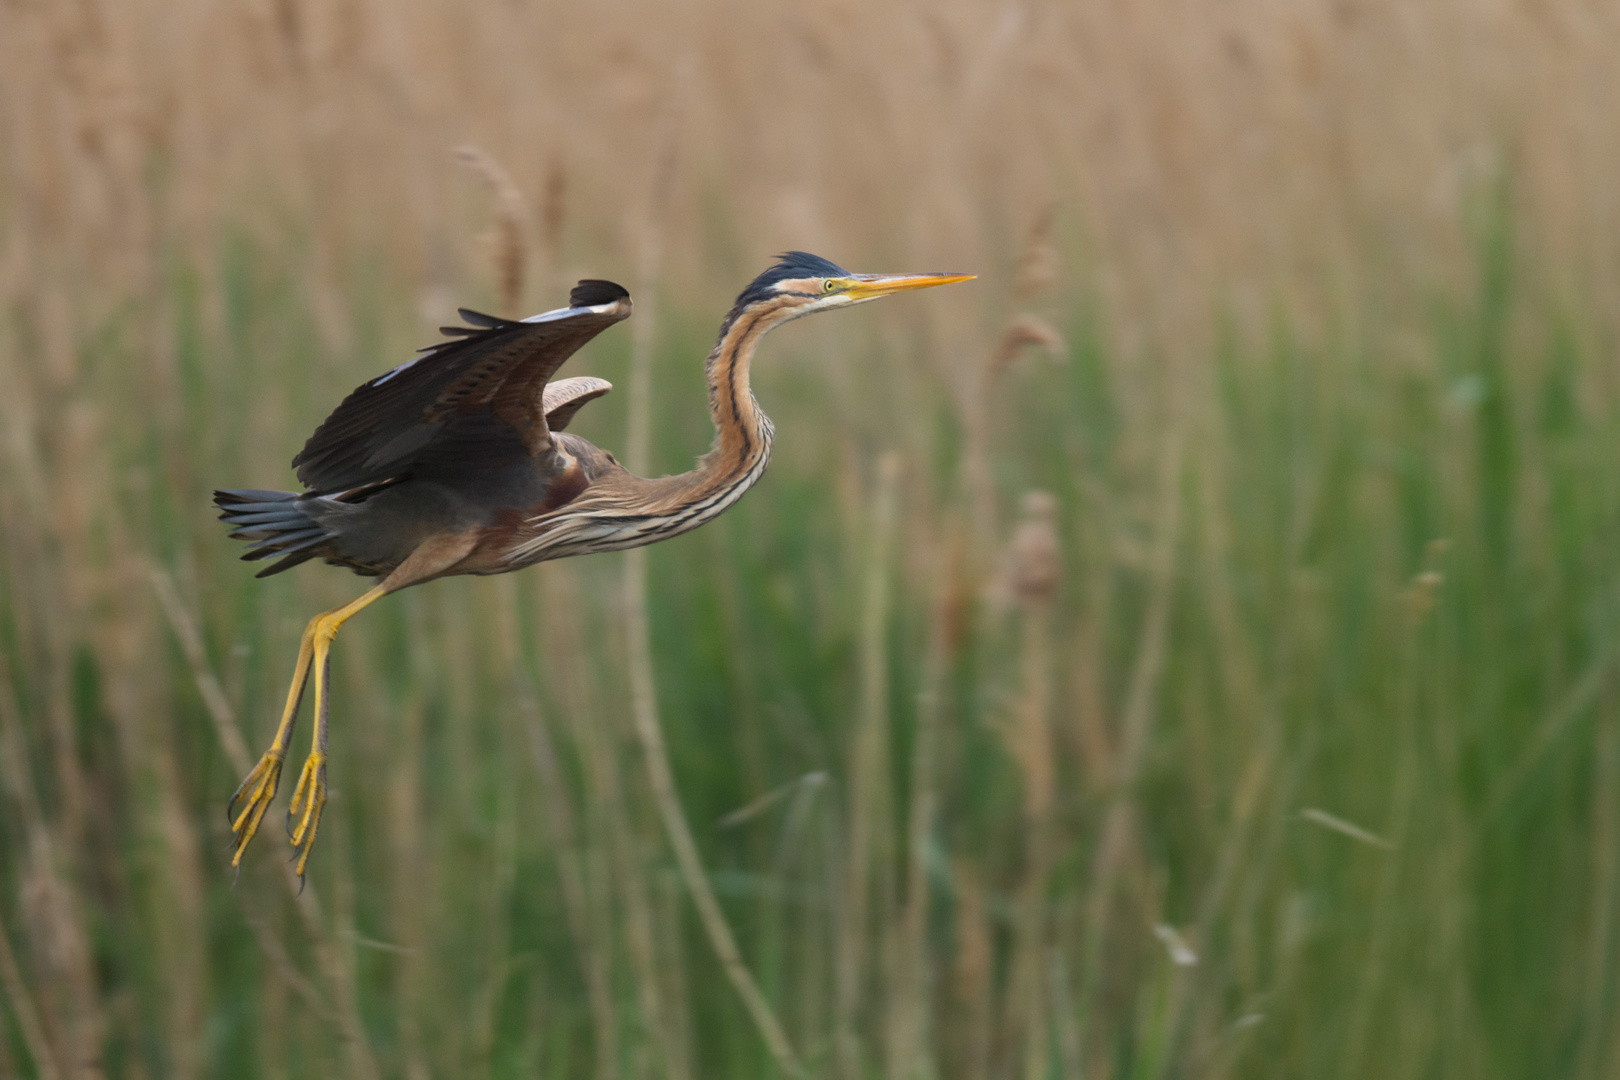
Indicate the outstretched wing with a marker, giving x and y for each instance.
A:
(492, 377)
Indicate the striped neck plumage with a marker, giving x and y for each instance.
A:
(743, 433)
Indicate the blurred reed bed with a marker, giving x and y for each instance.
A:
(1187, 653)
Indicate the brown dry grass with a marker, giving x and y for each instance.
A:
(1238, 154)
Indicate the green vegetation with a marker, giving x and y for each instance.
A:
(1305, 586)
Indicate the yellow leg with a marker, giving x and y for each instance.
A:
(259, 788)
(309, 797)
(256, 792)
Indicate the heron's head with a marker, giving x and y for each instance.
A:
(801, 283)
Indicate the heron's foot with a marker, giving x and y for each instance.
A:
(254, 798)
(308, 799)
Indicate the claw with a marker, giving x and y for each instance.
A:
(270, 764)
(308, 800)
(255, 793)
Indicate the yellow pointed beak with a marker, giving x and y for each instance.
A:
(871, 286)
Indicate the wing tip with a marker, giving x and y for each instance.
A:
(594, 292)
(481, 319)
(562, 399)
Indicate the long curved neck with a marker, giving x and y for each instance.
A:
(742, 432)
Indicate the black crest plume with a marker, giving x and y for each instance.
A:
(792, 264)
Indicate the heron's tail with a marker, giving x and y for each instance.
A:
(277, 523)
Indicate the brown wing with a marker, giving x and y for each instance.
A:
(493, 376)
(565, 397)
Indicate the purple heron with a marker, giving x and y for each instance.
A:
(456, 462)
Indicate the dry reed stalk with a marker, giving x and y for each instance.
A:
(631, 871)
(337, 951)
(1093, 744)
(14, 763)
(910, 1013)
(662, 783)
(18, 781)
(1599, 1041)
(498, 939)
(282, 964)
(673, 962)
(1238, 667)
(868, 878)
(215, 701)
(498, 645)
(807, 967)
(1574, 703)
(273, 1016)
(582, 860)
(511, 217)
(977, 480)
(1038, 261)
(52, 904)
(181, 896)
(1240, 849)
(1140, 707)
(1033, 570)
(408, 919)
(1037, 272)
(1258, 777)
(52, 625)
(305, 899)
(59, 953)
(553, 202)
(643, 690)
(626, 870)
(565, 841)
(14, 770)
(1026, 331)
(1372, 991)
(23, 1010)
(973, 980)
(1063, 1018)
(976, 385)
(70, 1006)
(660, 1020)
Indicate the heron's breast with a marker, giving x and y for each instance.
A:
(511, 527)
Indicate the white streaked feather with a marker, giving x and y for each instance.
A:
(587, 532)
(566, 312)
(379, 380)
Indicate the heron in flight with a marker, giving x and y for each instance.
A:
(457, 462)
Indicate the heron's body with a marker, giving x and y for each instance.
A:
(456, 462)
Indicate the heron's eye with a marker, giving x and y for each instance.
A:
(829, 285)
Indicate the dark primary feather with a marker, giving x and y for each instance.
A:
(485, 386)
(489, 322)
(594, 292)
